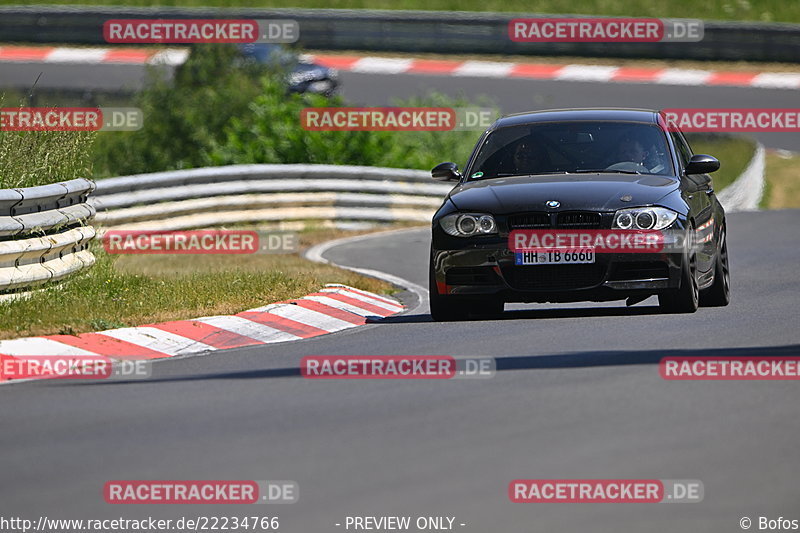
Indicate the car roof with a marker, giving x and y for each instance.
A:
(647, 116)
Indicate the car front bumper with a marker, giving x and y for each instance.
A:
(486, 267)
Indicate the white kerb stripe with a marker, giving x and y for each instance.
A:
(366, 299)
(484, 69)
(158, 340)
(679, 76)
(778, 80)
(248, 328)
(381, 65)
(76, 55)
(382, 298)
(586, 73)
(39, 346)
(332, 302)
(306, 316)
(383, 301)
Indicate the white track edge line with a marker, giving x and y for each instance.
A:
(316, 254)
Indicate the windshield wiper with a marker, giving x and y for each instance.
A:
(604, 171)
(512, 175)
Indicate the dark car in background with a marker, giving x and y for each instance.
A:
(608, 171)
(303, 76)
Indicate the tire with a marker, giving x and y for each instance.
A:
(686, 298)
(719, 293)
(451, 308)
(444, 308)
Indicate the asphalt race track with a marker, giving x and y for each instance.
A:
(513, 95)
(74, 77)
(577, 395)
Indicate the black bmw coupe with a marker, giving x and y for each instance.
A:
(579, 205)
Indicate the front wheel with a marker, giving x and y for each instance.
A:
(448, 308)
(719, 293)
(443, 308)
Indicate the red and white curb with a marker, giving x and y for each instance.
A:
(442, 67)
(334, 308)
(88, 56)
(550, 71)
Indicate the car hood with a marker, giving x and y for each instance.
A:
(594, 192)
(311, 71)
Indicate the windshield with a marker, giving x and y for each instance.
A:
(573, 147)
(269, 54)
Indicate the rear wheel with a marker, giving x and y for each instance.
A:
(719, 294)
(686, 298)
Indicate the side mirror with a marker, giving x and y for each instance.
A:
(446, 172)
(702, 164)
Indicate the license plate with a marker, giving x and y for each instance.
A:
(555, 257)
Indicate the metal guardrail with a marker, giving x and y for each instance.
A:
(203, 197)
(213, 196)
(44, 230)
(44, 233)
(411, 31)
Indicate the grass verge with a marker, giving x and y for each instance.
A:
(29, 158)
(734, 154)
(133, 290)
(761, 10)
(782, 180)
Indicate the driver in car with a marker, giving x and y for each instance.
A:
(631, 150)
(530, 157)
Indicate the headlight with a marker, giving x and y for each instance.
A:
(467, 225)
(644, 218)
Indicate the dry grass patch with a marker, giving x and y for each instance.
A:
(132, 290)
(783, 180)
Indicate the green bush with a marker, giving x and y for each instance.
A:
(271, 133)
(183, 117)
(220, 111)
